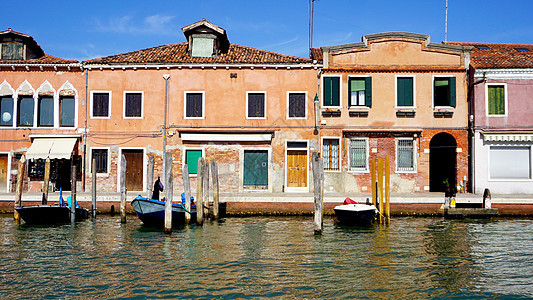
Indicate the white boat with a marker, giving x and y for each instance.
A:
(353, 213)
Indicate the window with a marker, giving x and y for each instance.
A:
(202, 46)
(67, 111)
(191, 159)
(405, 155)
(46, 111)
(510, 162)
(100, 104)
(330, 154)
(100, 156)
(358, 155)
(522, 50)
(6, 111)
(404, 92)
(133, 104)
(496, 100)
(360, 91)
(255, 105)
(12, 51)
(25, 111)
(444, 91)
(194, 105)
(297, 105)
(331, 92)
(482, 47)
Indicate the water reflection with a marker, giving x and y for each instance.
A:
(265, 257)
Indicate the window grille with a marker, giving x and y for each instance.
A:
(405, 155)
(330, 154)
(358, 154)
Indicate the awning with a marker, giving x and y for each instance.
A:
(53, 148)
(227, 137)
(512, 137)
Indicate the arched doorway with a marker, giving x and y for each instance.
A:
(442, 162)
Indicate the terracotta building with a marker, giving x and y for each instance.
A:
(39, 108)
(501, 88)
(398, 95)
(249, 110)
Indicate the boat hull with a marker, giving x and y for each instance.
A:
(152, 212)
(355, 214)
(49, 214)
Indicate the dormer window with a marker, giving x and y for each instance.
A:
(12, 51)
(202, 45)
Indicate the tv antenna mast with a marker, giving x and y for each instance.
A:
(311, 13)
(446, 23)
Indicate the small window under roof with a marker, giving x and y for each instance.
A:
(522, 50)
(483, 47)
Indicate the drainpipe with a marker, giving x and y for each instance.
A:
(166, 77)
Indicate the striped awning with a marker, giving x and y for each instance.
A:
(507, 137)
(54, 148)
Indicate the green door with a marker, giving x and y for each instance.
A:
(256, 168)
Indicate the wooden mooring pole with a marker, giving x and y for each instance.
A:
(187, 191)
(169, 192)
(93, 188)
(373, 178)
(199, 192)
(20, 182)
(123, 191)
(150, 177)
(46, 183)
(380, 189)
(214, 176)
(318, 181)
(73, 194)
(387, 190)
(205, 189)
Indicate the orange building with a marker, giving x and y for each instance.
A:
(249, 110)
(397, 95)
(40, 97)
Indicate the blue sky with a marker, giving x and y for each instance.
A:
(86, 29)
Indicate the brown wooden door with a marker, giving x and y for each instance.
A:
(296, 168)
(3, 172)
(134, 169)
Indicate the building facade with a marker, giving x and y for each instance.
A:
(501, 88)
(397, 95)
(39, 107)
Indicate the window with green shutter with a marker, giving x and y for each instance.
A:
(191, 159)
(331, 91)
(404, 92)
(496, 99)
(360, 91)
(444, 91)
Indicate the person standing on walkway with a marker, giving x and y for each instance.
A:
(158, 187)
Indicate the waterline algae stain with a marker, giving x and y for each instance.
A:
(268, 257)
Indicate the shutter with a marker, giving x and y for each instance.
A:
(451, 86)
(191, 159)
(405, 91)
(368, 91)
(327, 91)
(335, 91)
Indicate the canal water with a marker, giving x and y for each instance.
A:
(268, 257)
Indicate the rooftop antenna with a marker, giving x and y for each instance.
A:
(446, 23)
(311, 13)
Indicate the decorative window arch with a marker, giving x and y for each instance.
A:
(46, 105)
(6, 105)
(25, 108)
(67, 106)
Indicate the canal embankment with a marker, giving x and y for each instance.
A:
(264, 203)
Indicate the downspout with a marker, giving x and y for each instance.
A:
(85, 132)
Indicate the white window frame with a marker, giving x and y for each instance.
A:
(265, 112)
(348, 98)
(108, 161)
(185, 104)
(306, 105)
(396, 92)
(512, 145)
(322, 151)
(184, 156)
(414, 170)
(110, 101)
(487, 99)
(433, 91)
(124, 104)
(358, 170)
(322, 91)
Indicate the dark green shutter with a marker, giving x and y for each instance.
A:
(405, 91)
(191, 159)
(368, 91)
(331, 91)
(451, 86)
(327, 91)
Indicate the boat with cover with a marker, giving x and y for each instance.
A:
(51, 214)
(152, 212)
(353, 213)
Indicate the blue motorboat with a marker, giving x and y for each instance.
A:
(152, 212)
